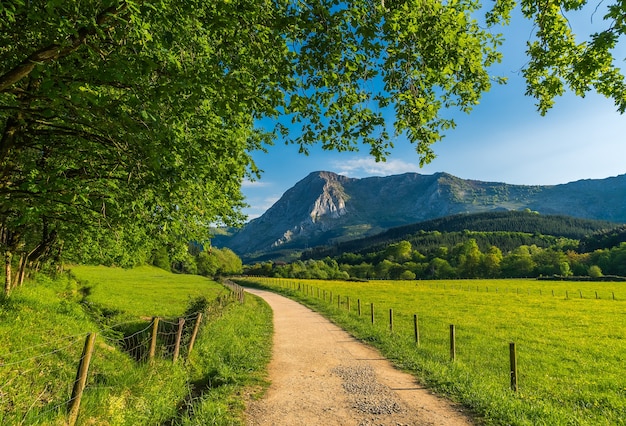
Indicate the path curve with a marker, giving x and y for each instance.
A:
(320, 375)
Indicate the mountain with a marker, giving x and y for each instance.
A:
(327, 208)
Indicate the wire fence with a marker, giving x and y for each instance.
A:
(453, 334)
(44, 383)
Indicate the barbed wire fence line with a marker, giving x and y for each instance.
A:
(27, 399)
(447, 340)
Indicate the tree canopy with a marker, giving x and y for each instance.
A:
(129, 123)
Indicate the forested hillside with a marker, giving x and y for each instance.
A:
(604, 239)
(486, 245)
(505, 230)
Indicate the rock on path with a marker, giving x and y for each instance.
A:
(320, 375)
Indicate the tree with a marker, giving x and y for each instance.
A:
(218, 262)
(407, 275)
(440, 268)
(491, 261)
(398, 252)
(469, 259)
(550, 262)
(128, 114)
(564, 269)
(518, 263)
(595, 271)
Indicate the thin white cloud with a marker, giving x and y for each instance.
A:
(366, 166)
(254, 184)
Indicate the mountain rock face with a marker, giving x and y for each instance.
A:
(325, 208)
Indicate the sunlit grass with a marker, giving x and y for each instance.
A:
(143, 291)
(43, 326)
(570, 349)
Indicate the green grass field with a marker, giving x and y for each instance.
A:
(43, 326)
(143, 291)
(570, 350)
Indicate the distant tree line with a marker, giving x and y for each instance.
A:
(196, 259)
(462, 259)
(325, 269)
(199, 260)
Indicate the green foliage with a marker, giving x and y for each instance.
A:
(604, 239)
(595, 271)
(611, 261)
(161, 259)
(484, 245)
(505, 230)
(131, 125)
(320, 269)
(568, 349)
(217, 261)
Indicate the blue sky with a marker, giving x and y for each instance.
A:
(504, 139)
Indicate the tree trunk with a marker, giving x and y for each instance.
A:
(19, 279)
(8, 256)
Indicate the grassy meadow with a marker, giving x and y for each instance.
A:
(43, 326)
(144, 290)
(570, 349)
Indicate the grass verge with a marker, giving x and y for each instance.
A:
(43, 327)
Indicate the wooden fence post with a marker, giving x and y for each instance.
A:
(372, 313)
(348, 302)
(81, 378)
(196, 327)
(358, 302)
(179, 335)
(452, 343)
(513, 363)
(153, 339)
(416, 330)
(391, 320)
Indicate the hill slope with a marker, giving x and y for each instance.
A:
(326, 208)
(503, 229)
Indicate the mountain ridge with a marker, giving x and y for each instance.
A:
(326, 208)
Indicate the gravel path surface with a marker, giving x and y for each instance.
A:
(320, 375)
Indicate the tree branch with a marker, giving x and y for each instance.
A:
(55, 51)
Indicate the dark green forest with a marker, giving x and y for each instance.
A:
(484, 245)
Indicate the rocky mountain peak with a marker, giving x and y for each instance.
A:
(331, 202)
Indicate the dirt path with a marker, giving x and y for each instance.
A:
(320, 375)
